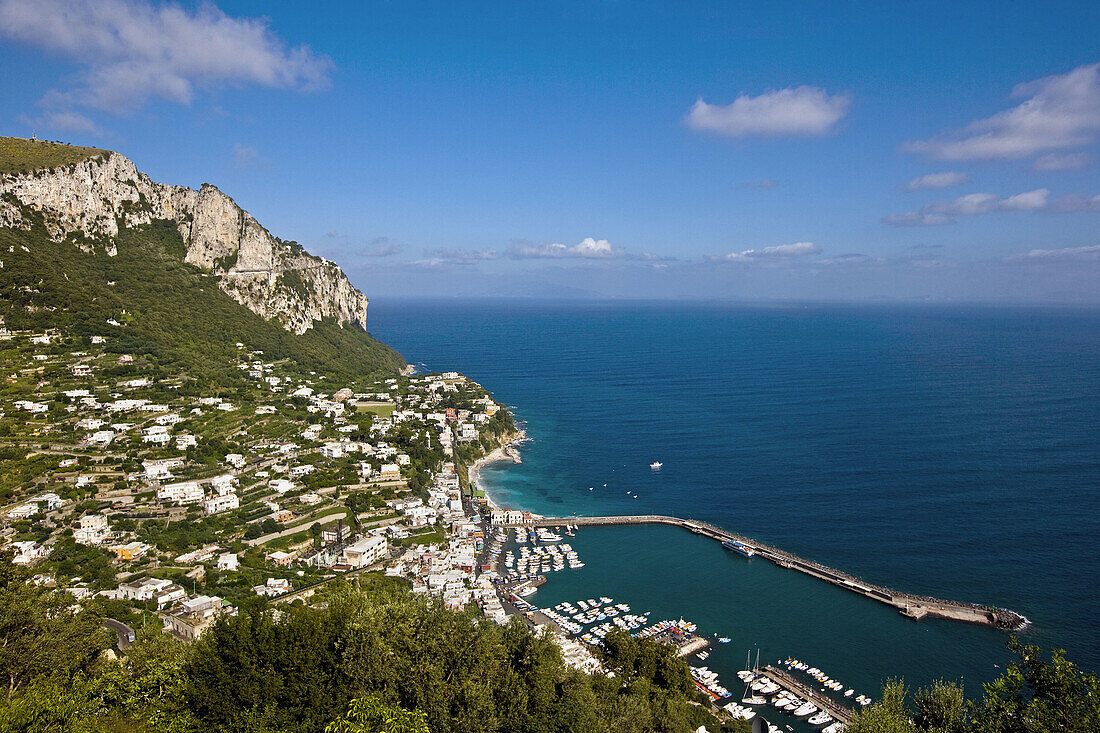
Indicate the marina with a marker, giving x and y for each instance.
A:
(912, 606)
(769, 691)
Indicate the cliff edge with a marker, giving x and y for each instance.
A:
(86, 195)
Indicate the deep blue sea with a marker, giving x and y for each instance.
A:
(947, 450)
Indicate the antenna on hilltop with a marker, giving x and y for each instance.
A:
(34, 136)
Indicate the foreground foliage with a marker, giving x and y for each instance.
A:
(1033, 696)
(374, 658)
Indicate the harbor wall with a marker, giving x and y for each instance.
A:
(913, 606)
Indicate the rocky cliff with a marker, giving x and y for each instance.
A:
(87, 201)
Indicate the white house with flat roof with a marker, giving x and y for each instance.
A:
(366, 551)
(221, 503)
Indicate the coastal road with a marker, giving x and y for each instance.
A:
(124, 633)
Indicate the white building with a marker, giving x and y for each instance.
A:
(184, 492)
(281, 485)
(333, 450)
(273, 587)
(419, 516)
(93, 530)
(224, 484)
(161, 590)
(50, 501)
(156, 438)
(101, 438)
(221, 503)
(23, 512)
(28, 552)
(366, 551)
(188, 619)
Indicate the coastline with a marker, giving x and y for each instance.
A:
(912, 606)
(509, 452)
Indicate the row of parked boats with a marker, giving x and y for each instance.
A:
(824, 679)
(761, 690)
(543, 559)
(603, 612)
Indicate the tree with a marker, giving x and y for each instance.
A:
(1034, 695)
(43, 632)
(54, 704)
(369, 715)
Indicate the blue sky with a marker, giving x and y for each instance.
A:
(822, 151)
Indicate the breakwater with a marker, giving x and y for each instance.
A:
(913, 606)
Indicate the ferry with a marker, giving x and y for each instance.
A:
(739, 547)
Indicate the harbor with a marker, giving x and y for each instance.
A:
(798, 695)
(910, 605)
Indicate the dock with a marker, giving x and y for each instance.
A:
(913, 606)
(804, 692)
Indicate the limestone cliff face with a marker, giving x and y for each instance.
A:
(272, 278)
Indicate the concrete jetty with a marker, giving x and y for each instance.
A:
(913, 606)
(805, 692)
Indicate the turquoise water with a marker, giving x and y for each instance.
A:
(943, 450)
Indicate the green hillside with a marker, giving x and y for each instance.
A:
(20, 155)
(169, 310)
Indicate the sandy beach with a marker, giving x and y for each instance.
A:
(508, 452)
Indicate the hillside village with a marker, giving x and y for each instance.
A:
(168, 502)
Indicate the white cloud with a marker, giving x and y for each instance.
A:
(1091, 252)
(939, 213)
(974, 204)
(917, 219)
(379, 247)
(778, 251)
(936, 180)
(852, 259)
(588, 248)
(798, 111)
(452, 257)
(130, 51)
(1030, 201)
(1073, 203)
(1057, 113)
(63, 121)
(1056, 162)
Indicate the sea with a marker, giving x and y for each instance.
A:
(947, 450)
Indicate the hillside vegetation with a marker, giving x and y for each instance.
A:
(166, 309)
(19, 155)
(372, 644)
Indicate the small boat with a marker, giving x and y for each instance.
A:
(723, 640)
(656, 465)
(805, 710)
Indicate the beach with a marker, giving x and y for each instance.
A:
(509, 452)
